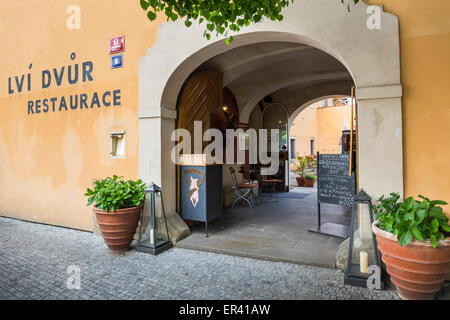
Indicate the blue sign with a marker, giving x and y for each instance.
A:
(117, 61)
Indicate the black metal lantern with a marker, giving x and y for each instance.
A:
(363, 258)
(153, 231)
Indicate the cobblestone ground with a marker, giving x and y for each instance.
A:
(34, 261)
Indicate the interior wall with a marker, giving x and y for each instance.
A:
(255, 121)
(275, 116)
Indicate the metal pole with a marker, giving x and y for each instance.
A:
(153, 219)
(351, 138)
(318, 190)
(357, 145)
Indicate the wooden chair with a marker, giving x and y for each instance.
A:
(269, 185)
(245, 171)
(244, 191)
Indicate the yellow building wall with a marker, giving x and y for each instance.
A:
(425, 63)
(303, 129)
(330, 123)
(48, 160)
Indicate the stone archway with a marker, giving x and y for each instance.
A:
(371, 57)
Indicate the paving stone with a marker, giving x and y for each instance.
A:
(34, 266)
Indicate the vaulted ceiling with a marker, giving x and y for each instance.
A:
(291, 73)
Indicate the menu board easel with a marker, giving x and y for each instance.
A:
(334, 186)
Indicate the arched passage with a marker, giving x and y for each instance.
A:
(349, 54)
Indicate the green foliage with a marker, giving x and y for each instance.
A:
(412, 219)
(115, 193)
(348, 3)
(386, 206)
(219, 16)
(311, 177)
(304, 164)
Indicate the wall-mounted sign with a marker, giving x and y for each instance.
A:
(71, 74)
(117, 45)
(117, 61)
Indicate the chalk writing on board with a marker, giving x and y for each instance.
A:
(335, 186)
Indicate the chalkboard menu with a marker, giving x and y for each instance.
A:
(335, 186)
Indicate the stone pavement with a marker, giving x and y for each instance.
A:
(34, 262)
(276, 231)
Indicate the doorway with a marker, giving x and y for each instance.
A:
(279, 230)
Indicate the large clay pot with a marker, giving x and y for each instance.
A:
(418, 269)
(300, 181)
(309, 183)
(118, 227)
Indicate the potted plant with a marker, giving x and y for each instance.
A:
(413, 238)
(310, 179)
(304, 163)
(117, 206)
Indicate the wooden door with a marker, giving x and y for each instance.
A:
(201, 99)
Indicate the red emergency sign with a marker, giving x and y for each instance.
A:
(117, 45)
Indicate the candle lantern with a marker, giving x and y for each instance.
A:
(153, 231)
(363, 257)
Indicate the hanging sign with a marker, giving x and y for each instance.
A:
(117, 45)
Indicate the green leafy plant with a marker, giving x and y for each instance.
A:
(311, 177)
(219, 16)
(412, 219)
(115, 193)
(304, 164)
(386, 206)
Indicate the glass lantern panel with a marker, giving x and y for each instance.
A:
(160, 220)
(363, 251)
(146, 228)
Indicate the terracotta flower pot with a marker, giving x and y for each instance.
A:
(300, 181)
(309, 183)
(119, 227)
(418, 269)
